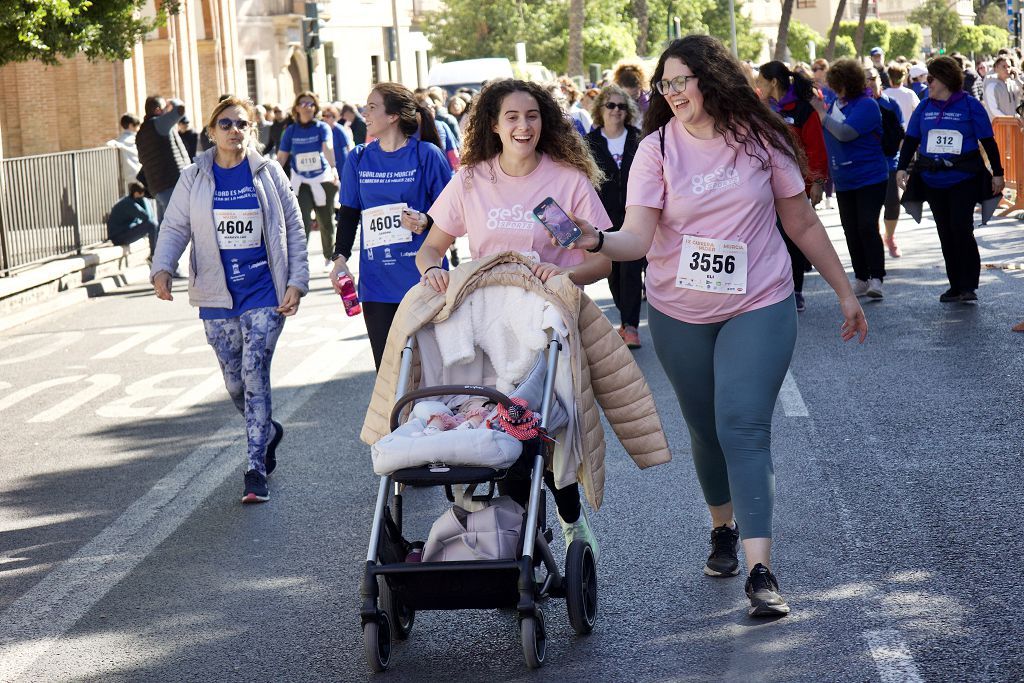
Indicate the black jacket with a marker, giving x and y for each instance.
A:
(163, 156)
(613, 189)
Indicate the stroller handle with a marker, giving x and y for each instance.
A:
(444, 390)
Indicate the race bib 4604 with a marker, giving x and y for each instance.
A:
(710, 265)
(238, 228)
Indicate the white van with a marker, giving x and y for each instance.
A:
(469, 73)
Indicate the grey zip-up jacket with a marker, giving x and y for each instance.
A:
(189, 217)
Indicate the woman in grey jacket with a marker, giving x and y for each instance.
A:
(247, 271)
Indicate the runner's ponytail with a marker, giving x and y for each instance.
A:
(427, 127)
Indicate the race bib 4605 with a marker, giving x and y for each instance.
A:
(382, 225)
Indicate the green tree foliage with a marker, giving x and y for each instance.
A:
(995, 39)
(49, 30)
(943, 19)
(992, 14)
(877, 33)
(906, 41)
(661, 12)
(748, 41)
(468, 29)
(970, 40)
(845, 47)
(800, 34)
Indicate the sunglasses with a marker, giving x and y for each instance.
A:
(930, 79)
(226, 124)
(818, 68)
(307, 105)
(677, 84)
(616, 105)
(328, 115)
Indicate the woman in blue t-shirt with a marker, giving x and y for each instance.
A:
(403, 168)
(853, 137)
(307, 148)
(947, 131)
(248, 268)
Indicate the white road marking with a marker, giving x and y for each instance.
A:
(792, 402)
(193, 396)
(892, 657)
(139, 334)
(97, 384)
(20, 395)
(51, 342)
(146, 389)
(168, 345)
(35, 621)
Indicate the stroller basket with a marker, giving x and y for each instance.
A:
(481, 584)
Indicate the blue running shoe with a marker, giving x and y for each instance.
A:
(270, 460)
(256, 490)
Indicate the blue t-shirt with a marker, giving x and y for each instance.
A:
(891, 105)
(859, 162)
(966, 121)
(920, 88)
(238, 219)
(829, 95)
(413, 175)
(305, 144)
(340, 145)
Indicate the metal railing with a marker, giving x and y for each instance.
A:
(54, 205)
(1010, 139)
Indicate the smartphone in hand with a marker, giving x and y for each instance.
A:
(557, 222)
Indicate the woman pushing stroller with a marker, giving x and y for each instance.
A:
(518, 150)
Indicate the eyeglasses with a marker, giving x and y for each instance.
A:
(307, 104)
(616, 105)
(329, 115)
(677, 84)
(226, 124)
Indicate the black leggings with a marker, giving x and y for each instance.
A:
(567, 500)
(378, 317)
(953, 210)
(800, 263)
(626, 283)
(858, 211)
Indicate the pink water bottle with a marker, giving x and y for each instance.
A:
(348, 295)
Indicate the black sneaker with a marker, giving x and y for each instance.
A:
(256, 490)
(723, 560)
(970, 296)
(949, 296)
(763, 591)
(270, 460)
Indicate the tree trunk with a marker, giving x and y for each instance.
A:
(859, 37)
(780, 44)
(830, 51)
(643, 22)
(576, 11)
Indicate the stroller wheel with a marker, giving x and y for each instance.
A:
(401, 617)
(377, 642)
(534, 637)
(581, 587)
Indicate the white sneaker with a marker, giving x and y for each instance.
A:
(860, 287)
(874, 288)
(580, 529)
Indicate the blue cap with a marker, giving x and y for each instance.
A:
(877, 51)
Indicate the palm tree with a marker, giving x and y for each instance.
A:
(830, 51)
(576, 13)
(643, 24)
(780, 44)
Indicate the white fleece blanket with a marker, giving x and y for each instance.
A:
(505, 322)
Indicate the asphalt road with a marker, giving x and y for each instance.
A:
(125, 554)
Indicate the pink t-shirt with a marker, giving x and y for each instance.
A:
(496, 209)
(704, 188)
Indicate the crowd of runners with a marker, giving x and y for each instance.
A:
(664, 173)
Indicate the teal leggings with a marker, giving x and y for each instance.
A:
(727, 378)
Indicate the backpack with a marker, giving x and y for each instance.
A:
(892, 132)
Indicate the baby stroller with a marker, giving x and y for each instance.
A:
(394, 589)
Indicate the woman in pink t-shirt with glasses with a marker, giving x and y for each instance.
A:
(714, 168)
(518, 150)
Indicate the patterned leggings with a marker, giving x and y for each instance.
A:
(244, 348)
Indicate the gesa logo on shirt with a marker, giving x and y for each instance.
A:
(720, 179)
(516, 218)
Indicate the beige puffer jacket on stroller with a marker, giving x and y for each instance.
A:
(604, 371)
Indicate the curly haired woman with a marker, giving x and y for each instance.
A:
(518, 150)
(715, 167)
